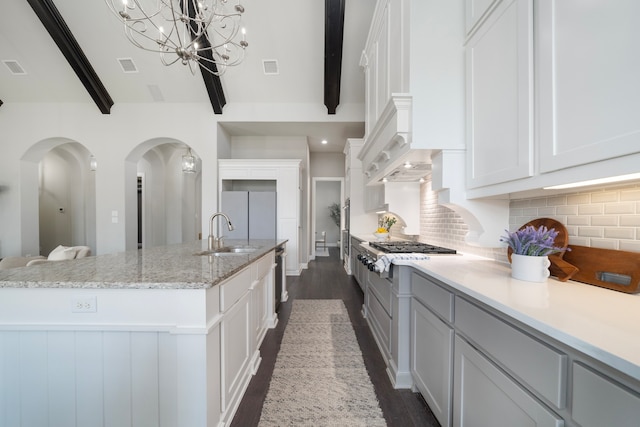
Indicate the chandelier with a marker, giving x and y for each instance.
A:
(197, 33)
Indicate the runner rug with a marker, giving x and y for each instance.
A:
(319, 378)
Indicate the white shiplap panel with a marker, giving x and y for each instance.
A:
(61, 360)
(144, 379)
(168, 379)
(10, 376)
(33, 379)
(192, 385)
(117, 379)
(89, 379)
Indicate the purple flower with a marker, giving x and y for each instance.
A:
(532, 242)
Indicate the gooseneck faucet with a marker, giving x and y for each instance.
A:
(214, 243)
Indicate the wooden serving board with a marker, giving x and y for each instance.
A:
(612, 269)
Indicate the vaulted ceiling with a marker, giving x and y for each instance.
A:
(70, 52)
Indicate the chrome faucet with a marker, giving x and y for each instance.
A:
(214, 243)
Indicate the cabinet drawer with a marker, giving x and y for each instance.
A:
(433, 296)
(540, 366)
(380, 323)
(486, 396)
(382, 290)
(597, 401)
(234, 288)
(264, 265)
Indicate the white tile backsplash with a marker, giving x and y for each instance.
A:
(605, 218)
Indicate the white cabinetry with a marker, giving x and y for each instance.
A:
(361, 221)
(432, 345)
(587, 81)
(552, 93)
(414, 84)
(286, 173)
(500, 95)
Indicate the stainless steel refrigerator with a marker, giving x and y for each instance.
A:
(253, 214)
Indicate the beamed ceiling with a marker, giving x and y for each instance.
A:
(70, 51)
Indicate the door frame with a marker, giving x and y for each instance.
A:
(312, 239)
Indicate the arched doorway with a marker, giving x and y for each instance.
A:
(58, 203)
(163, 203)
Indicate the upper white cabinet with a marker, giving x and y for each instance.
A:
(414, 68)
(587, 78)
(553, 95)
(499, 61)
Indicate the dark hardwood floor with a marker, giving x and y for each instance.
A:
(326, 279)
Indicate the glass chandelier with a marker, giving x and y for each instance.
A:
(205, 33)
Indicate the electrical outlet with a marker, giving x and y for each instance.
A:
(84, 304)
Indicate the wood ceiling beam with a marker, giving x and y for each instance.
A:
(62, 36)
(211, 81)
(333, 36)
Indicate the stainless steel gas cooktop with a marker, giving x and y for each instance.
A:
(403, 247)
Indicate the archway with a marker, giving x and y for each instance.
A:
(159, 197)
(58, 197)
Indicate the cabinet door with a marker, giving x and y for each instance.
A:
(485, 396)
(431, 360)
(499, 96)
(236, 338)
(599, 401)
(587, 81)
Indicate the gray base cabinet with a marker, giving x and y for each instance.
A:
(476, 366)
(486, 396)
(432, 360)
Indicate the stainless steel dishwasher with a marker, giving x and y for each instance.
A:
(279, 276)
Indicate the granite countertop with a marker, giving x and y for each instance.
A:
(164, 267)
(598, 322)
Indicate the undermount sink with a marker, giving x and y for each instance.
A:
(228, 250)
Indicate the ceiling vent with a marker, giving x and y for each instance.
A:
(270, 66)
(128, 66)
(15, 67)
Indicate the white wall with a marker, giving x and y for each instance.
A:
(327, 164)
(117, 140)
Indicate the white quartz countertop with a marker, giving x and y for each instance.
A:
(164, 267)
(598, 322)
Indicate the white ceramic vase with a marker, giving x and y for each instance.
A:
(530, 268)
(381, 236)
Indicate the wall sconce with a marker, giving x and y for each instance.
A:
(93, 163)
(188, 162)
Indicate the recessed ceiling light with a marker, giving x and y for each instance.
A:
(324, 142)
(407, 165)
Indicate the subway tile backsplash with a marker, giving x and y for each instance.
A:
(605, 218)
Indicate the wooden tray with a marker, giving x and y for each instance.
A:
(612, 269)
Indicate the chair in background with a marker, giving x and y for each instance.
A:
(322, 240)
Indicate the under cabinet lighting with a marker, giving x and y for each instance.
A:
(600, 181)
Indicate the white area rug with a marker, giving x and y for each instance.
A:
(319, 377)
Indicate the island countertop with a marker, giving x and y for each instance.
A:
(164, 267)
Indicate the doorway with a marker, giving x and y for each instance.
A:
(326, 215)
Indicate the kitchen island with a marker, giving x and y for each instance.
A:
(159, 336)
